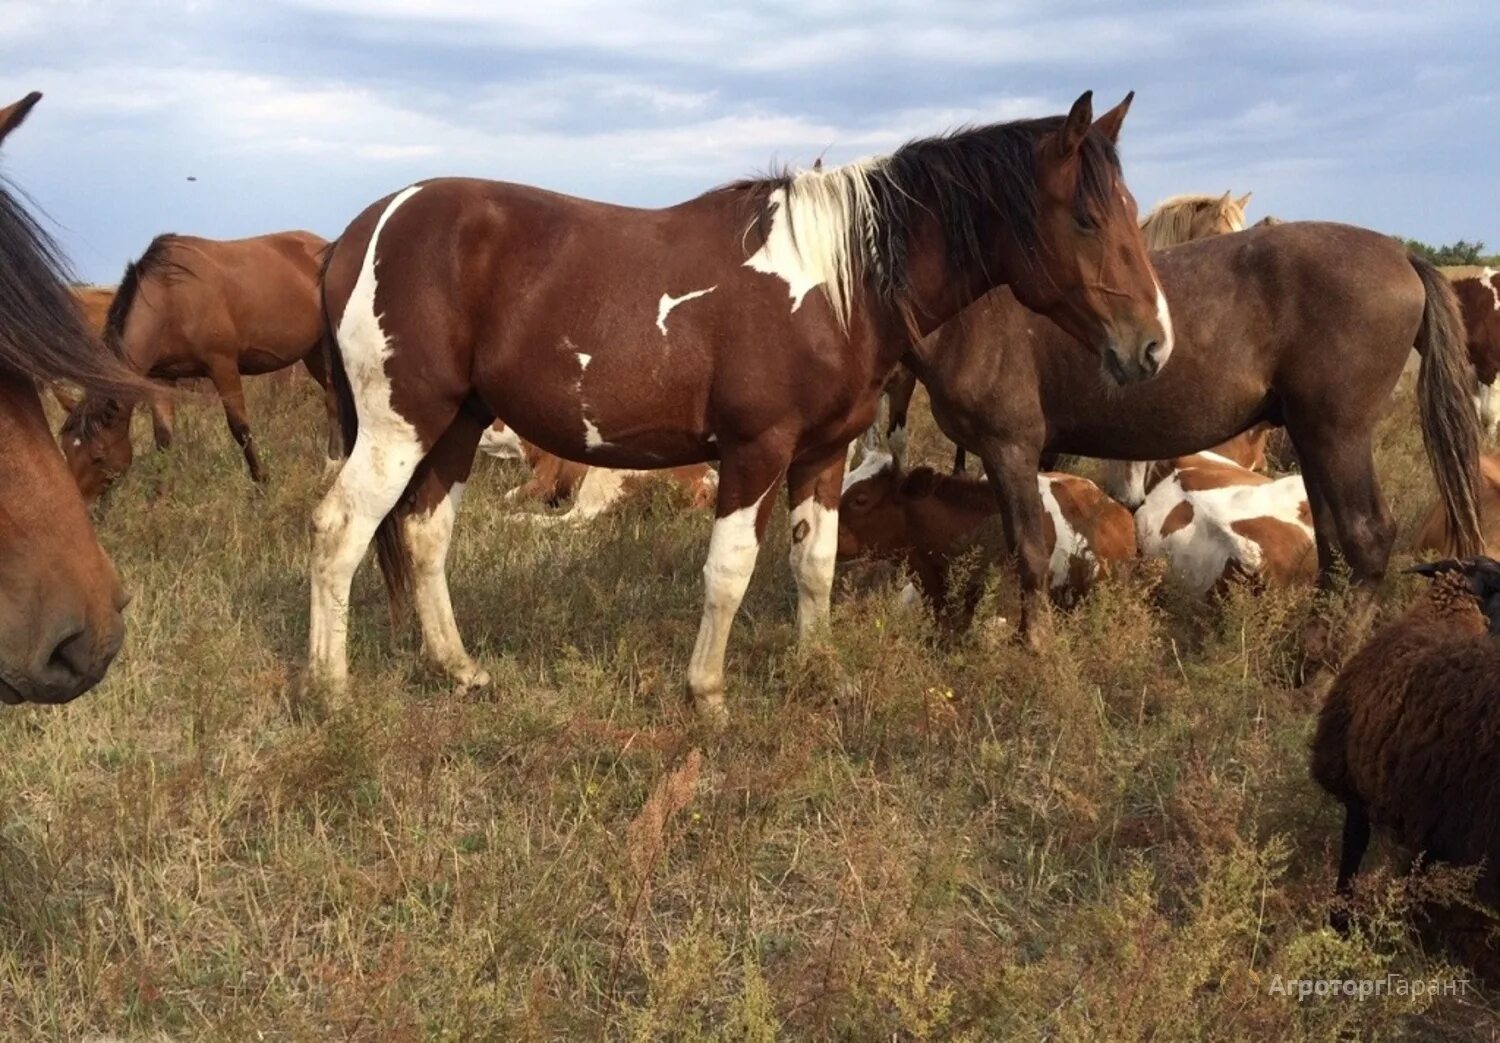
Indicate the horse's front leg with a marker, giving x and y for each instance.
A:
(1012, 471)
(746, 477)
(813, 488)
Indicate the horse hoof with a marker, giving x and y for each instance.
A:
(709, 706)
(471, 679)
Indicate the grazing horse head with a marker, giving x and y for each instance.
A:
(60, 600)
(96, 444)
(1182, 219)
(1090, 272)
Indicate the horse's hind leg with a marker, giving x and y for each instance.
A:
(427, 513)
(746, 477)
(226, 379)
(1339, 470)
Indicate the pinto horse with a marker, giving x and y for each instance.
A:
(755, 324)
(192, 307)
(60, 600)
(1305, 325)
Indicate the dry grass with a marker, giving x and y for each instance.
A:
(896, 839)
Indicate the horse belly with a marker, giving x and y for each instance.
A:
(608, 407)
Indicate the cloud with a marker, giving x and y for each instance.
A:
(303, 111)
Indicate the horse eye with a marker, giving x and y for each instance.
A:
(1085, 222)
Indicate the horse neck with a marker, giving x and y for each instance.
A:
(935, 292)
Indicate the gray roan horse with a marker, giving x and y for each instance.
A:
(1306, 325)
(60, 600)
(755, 324)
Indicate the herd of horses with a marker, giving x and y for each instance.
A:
(757, 327)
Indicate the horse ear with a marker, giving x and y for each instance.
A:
(1244, 200)
(1076, 126)
(1109, 123)
(13, 115)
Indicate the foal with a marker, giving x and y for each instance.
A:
(192, 307)
(755, 324)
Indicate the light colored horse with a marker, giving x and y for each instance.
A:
(1181, 219)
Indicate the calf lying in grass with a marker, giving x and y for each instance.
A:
(925, 520)
(1409, 737)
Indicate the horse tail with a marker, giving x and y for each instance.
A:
(1450, 425)
(390, 551)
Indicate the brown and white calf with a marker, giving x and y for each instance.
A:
(925, 520)
(1214, 520)
(593, 490)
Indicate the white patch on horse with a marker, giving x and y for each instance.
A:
(592, 439)
(1125, 480)
(732, 550)
(668, 302)
(873, 464)
(1487, 405)
(583, 361)
(386, 452)
(817, 222)
(501, 442)
(815, 541)
(1164, 316)
(1070, 544)
(1488, 278)
(427, 538)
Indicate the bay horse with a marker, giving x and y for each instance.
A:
(1478, 291)
(754, 324)
(1175, 220)
(1306, 325)
(192, 307)
(61, 605)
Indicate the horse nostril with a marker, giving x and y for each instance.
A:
(71, 658)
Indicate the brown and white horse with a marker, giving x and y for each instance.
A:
(60, 600)
(755, 324)
(192, 307)
(1304, 324)
(1478, 291)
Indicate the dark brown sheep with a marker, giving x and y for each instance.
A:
(1409, 737)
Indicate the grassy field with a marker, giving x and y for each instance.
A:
(896, 839)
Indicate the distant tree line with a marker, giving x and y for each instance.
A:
(1461, 252)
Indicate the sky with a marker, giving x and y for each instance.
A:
(234, 118)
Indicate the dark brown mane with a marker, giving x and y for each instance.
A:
(979, 181)
(42, 335)
(970, 494)
(153, 262)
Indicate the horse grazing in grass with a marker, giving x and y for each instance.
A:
(1175, 220)
(755, 324)
(1478, 291)
(60, 600)
(192, 307)
(1305, 325)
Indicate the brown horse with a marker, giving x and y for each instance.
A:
(1307, 325)
(194, 307)
(60, 600)
(1175, 220)
(1478, 291)
(755, 324)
